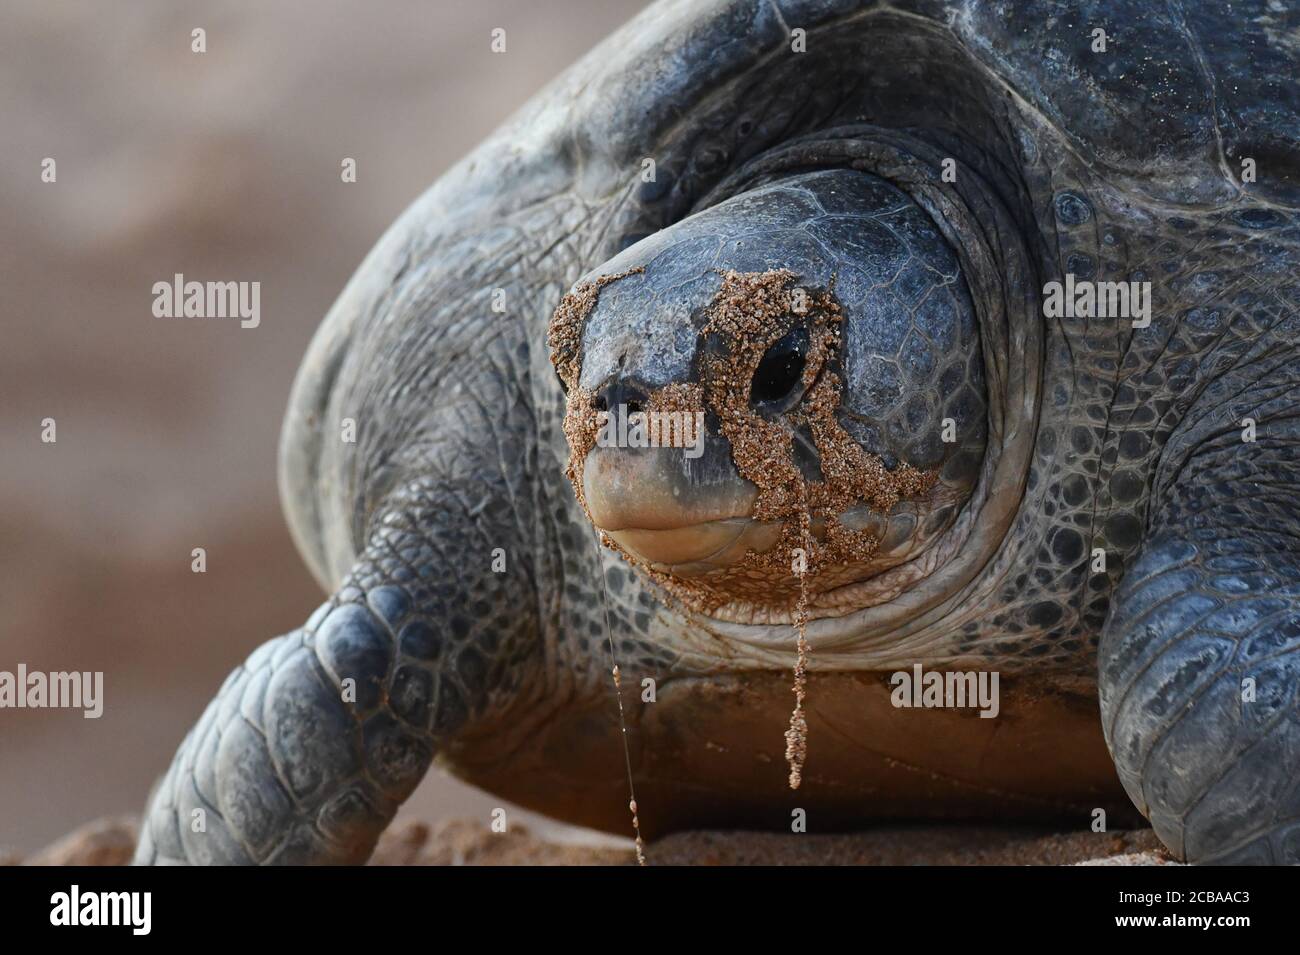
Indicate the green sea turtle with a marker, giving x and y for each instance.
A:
(988, 312)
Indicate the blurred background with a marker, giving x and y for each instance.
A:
(221, 166)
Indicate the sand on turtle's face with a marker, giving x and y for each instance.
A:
(750, 313)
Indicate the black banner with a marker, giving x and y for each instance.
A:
(378, 905)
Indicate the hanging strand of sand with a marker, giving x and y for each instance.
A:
(796, 737)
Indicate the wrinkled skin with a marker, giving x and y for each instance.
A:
(1093, 436)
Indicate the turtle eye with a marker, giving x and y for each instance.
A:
(781, 369)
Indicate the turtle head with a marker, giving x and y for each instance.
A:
(786, 384)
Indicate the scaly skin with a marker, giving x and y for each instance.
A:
(1115, 166)
(1199, 662)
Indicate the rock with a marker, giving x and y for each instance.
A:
(103, 842)
(1155, 857)
(901, 845)
(471, 842)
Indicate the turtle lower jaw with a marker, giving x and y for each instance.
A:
(693, 550)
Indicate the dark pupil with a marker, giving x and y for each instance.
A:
(781, 368)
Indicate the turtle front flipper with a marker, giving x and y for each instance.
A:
(282, 767)
(1200, 656)
(309, 748)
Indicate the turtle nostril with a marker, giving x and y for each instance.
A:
(619, 392)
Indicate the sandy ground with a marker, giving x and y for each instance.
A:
(467, 842)
(220, 166)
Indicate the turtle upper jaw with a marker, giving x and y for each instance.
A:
(645, 503)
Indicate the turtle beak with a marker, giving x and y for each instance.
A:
(678, 519)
